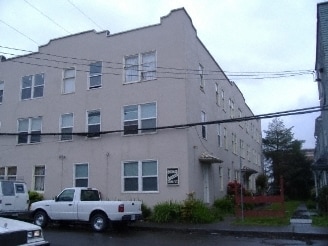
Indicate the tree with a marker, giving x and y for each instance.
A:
(287, 160)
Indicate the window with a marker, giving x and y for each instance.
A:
(225, 140)
(148, 66)
(95, 75)
(39, 174)
(234, 143)
(81, 175)
(66, 196)
(221, 178)
(137, 118)
(131, 68)
(229, 174)
(140, 67)
(29, 130)
(32, 86)
(232, 108)
(94, 123)
(217, 94)
(203, 119)
(219, 134)
(66, 127)
(242, 148)
(90, 195)
(201, 76)
(237, 175)
(8, 173)
(140, 176)
(1, 90)
(222, 99)
(68, 81)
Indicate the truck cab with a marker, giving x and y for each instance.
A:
(14, 197)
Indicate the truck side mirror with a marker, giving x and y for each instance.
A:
(56, 198)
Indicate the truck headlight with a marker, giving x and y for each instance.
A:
(34, 234)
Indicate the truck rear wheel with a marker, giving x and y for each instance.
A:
(40, 218)
(99, 222)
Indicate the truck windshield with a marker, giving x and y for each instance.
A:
(89, 195)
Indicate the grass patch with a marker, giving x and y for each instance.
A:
(320, 220)
(290, 207)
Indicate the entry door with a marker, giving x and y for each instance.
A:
(206, 183)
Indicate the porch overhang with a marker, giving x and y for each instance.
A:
(206, 158)
(247, 171)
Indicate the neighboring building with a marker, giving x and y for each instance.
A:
(88, 110)
(320, 167)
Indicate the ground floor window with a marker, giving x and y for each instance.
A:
(140, 176)
(8, 173)
(39, 175)
(81, 175)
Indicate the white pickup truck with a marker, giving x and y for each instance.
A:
(85, 205)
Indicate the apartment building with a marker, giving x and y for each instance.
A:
(123, 112)
(320, 167)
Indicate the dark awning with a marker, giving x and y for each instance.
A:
(248, 171)
(209, 159)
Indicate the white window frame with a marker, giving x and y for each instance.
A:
(203, 127)
(231, 108)
(29, 131)
(201, 77)
(64, 136)
(221, 177)
(32, 87)
(225, 135)
(2, 86)
(75, 178)
(93, 134)
(138, 69)
(217, 94)
(139, 119)
(40, 176)
(94, 75)
(223, 99)
(5, 173)
(219, 135)
(67, 78)
(140, 177)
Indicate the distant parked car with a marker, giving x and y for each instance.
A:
(15, 232)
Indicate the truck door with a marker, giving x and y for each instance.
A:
(65, 206)
(8, 196)
(21, 197)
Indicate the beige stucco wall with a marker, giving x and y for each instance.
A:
(177, 95)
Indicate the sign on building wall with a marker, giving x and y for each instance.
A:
(172, 176)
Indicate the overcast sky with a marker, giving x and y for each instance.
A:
(242, 35)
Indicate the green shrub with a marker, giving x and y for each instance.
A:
(166, 212)
(146, 211)
(225, 205)
(34, 196)
(195, 211)
(323, 200)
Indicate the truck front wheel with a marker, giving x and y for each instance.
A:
(99, 222)
(40, 218)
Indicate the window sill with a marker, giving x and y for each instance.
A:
(138, 81)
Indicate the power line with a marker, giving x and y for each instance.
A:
(248, 75)
(19, 32)
(183, 126)
(84, 14)
(54, 22)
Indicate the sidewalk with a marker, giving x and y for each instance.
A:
(298, 228)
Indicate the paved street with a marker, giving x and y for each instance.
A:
(70, 236)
